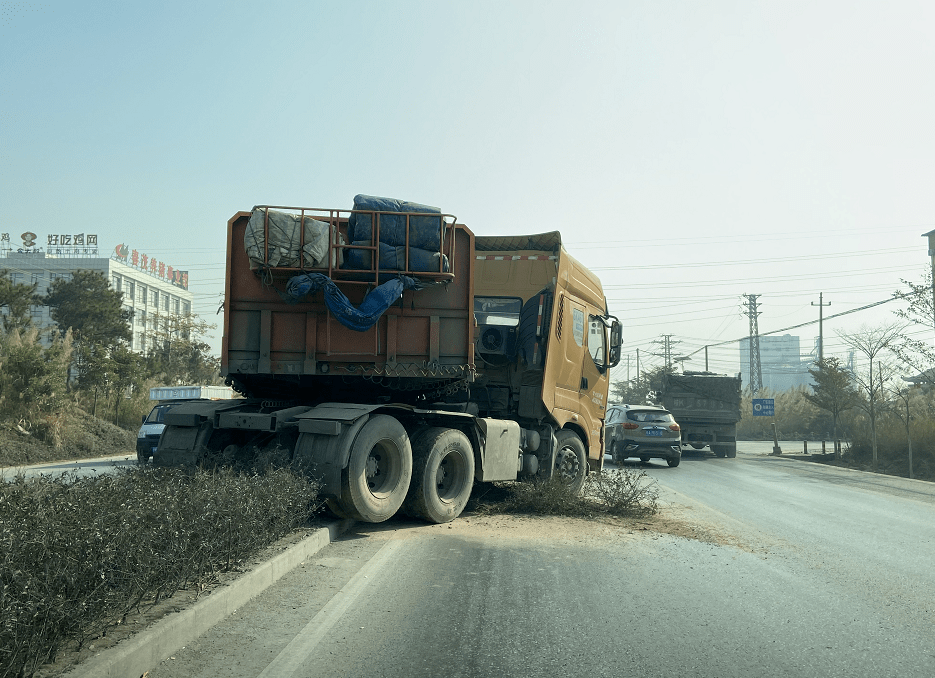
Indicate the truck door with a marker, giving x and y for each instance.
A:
(571, 333)
(591, 405)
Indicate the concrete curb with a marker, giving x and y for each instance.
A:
(134, 656)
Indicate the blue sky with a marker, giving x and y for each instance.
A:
(689, 152)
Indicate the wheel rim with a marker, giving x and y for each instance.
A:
(567, 464)
(449, 477)
(382, 469)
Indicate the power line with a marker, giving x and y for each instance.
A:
(795, 327)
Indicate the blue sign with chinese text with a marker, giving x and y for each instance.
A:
(764, 407)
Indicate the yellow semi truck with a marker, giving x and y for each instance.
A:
(399, 358)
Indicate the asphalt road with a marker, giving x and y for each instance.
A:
(804, 571)
(79, 468)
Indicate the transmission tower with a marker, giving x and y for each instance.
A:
(756, 374)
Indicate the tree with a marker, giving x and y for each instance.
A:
(917, 354)
(902, 408)
(90, 307)
(178, 353)
(833, 392)
(641, 391)
(872, 342)
(33, 381)
(16, 299)
(93, 311)
(127, 372)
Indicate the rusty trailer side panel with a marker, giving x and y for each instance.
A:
(427, 334)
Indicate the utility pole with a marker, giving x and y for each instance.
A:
(705, 358)
(667, 345)
(821, 335)
(756, 376)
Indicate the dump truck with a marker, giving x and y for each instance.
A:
(400, 359)
(707, 408)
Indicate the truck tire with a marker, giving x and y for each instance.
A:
(571, 461)
(674, 462)
(732, 451)
(376, 480)
(442, 474)
(698, 446)
(720, 451)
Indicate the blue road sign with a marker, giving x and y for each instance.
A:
(764, 407)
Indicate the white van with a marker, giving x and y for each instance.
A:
(147, 439)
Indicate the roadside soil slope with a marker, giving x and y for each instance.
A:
(82, 436)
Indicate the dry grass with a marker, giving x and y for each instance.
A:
(79, 555)
(622, 492)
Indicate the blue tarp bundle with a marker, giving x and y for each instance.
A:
(394, 259)
(426, 235)
(424, 232)
(360, 319)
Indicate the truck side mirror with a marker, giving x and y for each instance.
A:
(616, 341)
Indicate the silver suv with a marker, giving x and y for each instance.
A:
(643, 431)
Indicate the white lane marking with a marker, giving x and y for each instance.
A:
(294, 655)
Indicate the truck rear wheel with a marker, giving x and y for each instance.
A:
(732, 451)
(719, 450)
(571, 461)
(377, 476)
(442, 474)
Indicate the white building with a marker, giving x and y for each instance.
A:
(151, 289)
(782, 364)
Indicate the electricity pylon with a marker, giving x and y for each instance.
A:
(756, 374)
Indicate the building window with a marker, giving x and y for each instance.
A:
(35, 313)
(130, 291)
(118, 283)
(141, 318)
(141, 341)
(186, 308)
(142, 294)
(17, 278)
(36, 278)
(165, 302)
(176, 302)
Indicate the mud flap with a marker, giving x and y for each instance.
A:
(183, 445)
(323, 456)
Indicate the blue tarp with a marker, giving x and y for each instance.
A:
(394, 259)
(370, 310)
(424, 232)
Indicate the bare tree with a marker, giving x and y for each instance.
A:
(873, 343)
(919, 312)
(902, 408)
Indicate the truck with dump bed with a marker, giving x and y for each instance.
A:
(399, 358)
(707, 408)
